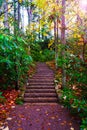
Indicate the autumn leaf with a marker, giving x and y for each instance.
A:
(37, 109)
(7, 128)
(53, 117)
(71, 128)
(48, 129)
(19, 129)
(70, 124)
(49, 123)
(9, 118)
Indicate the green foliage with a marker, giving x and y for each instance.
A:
(74, 96)
(84, 124)
(2, 98)
(42, 55)
(19, 101)
(1, 95)
(75, 104)
(14, 59)
(1, 1)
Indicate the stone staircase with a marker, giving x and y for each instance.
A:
(40, 88)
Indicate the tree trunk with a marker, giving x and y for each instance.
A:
(39, 26)
(15, 20)
(29, 12)
(63, 41)
(19, 15)
(15, 34)
(55, 42)
(56, 45)
(6, 24)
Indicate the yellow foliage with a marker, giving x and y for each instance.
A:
(76, 35)
(41, 3)
(50, 43)
(20, 1)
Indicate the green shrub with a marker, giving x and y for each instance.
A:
(74, 96)
(19, 101)
(41, 55)
(14, 60)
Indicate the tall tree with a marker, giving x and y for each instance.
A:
(29, 11)
(19, 14)
(63, 41)
(56, 41)
(15, 17)
(6, 24)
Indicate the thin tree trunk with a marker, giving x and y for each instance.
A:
(56, 45)
(15, 34)
(19, 15)
(6, 24)
(55, 41)
(15, 20)
(63, 41)
(39, 35)
(29, 15)
(84, 48)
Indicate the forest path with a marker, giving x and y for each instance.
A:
(40, 88)
(41, 110)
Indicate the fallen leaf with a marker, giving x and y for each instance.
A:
(19, 122)
(21, 116)
(6, 128)
(62, 123)
(65, 122)
(56, 116)
(46, 112)
(48, 129)
(19, 129)
(53, 117)
(13, 107)
(62, 106)
(71, 128)
(2, 127)
(37, 109)
(59, 119)
(27, 84)
(49, 123)
(70, 124)
(9, 119)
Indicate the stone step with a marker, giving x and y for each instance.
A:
(44, 74)
(41, 83)
(40, 95)
(40, 87)
(40, 91)
(41, 100)
(40, 80)
(44, 70)
(42, 77)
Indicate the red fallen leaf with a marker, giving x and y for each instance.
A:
(19, 122)
(19, 129)
(70, 124)
(48, 129)
(52, 117)
(21, 116)
(10, 95)
(63, 123)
